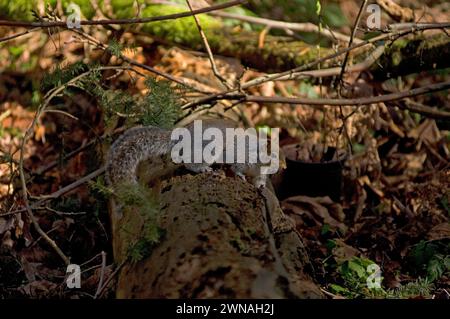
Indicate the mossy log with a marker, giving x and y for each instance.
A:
(217, 243)
(277, 53)
(413, 56)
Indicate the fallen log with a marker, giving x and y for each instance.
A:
(223, 238)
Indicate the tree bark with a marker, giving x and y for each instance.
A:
(223, 239)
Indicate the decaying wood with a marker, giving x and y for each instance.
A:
(223, 238)
(412, 56)
(277, 53)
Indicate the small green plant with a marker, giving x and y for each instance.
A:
(115, 48)
(161, 105)
(431, 258)
(420, 287)
(140, 199)
(100, 187)
(356, 273)
(114, 103)
(62, 74)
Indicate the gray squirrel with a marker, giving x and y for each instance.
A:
(139, 144)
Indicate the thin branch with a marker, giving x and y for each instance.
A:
(292, 26)
(337, 102)
(293, 73)
(73, 185)
(355, 28)
(50, 24)
(57, 212)
(110, 278)
(49, 96)
(30, 214)
(424, 110)
(59, 192)
(405, 26)
(165, 75)
(208, 49)
(53, 164)
(10, 37)
(359, 67)
(341, 75)
(102, 275)
(62, 112)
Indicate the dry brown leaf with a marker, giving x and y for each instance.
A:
(343, 252)
(315, 207)
(426, 131)
(440, 231)
(6, 224)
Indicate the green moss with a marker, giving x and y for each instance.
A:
(184, 30)
(145, 234)
(22, 9)
(278, 53)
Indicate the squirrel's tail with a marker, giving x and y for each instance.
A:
(134, 146)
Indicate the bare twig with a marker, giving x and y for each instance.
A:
(10, 37)
(301, 27)
(355, 28)
(57, 212)
(405, 26)
(293, 73)
(62, 112)
(208, 49)
(165, 75)
(111, 277)
(416, 107)
(395, 11)
(74, 185)
(102, 275)
(30, 214)
(341, 75)
(58, 193)
(48, 97)
(53, 164)
(359, 67)
(337, 102)
(91, 260)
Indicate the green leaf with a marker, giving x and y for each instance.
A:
(355, 266)
(338, 289)
(325, 229)
(16, 51)
(436, 267)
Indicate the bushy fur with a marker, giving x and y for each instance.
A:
(142, 143)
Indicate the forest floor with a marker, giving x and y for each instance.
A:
(394, 209)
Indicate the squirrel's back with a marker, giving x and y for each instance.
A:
(135, 145)
(141, 143)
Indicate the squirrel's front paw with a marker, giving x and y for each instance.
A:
(260, 181)
(199, 168)
(241, 175)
